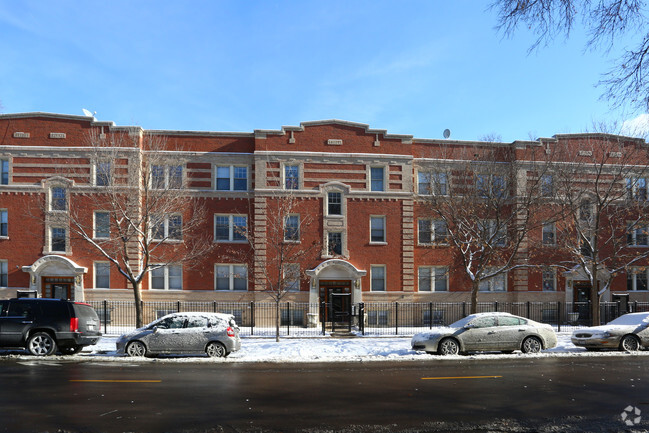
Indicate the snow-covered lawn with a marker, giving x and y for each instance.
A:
(328, 349)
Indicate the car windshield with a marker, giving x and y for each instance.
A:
(462, 322)
(630, 319)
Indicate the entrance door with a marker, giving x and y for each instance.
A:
(581, 297)
(57, 287)
(335, 297)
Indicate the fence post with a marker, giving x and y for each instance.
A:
(177, 306)
(495, 305)
(396, 317)
(361, 317)
(463, 309)
(252, 317)
(105, 317)
(529, 310)
(215, 310)
(430, 315)
(323, 317)
(288, 322)
(559, 316)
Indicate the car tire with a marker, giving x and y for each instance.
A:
(448, 346)
(629, 343)
(135, 348)
(216, 350)
(531, 345)
(41, 344)
(70, 350)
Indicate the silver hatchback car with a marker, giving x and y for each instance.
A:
(214, 334)
(484, 332)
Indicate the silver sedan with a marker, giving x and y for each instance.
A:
(628, 332)
(483, 332)
(213, 334)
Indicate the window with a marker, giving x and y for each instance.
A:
(4, 273)
(431, 183)
(636, 278)
(549, 234)
(58, 199)
(549, 280)
(334, 203)
(102, 275)
(293, 316)
(291, 273)
(493, 234)
(4, 172)
(433, 279)
(432, 231)
(377, 318)
(547, 185)
(167, 227)
(493, 284)
(102, 225)
(636, 188)
(491, 185)
(166, 177)
(335, 243)
(231, 178)
(231, 277)
(58, 239)
(102, 174)
(230, 228)
(291, 177)
(292, 228)
(377, 176)
(637, 236)
(378, 278)
(586, 212)
(4, 223)
(377, 229)
(167, 278)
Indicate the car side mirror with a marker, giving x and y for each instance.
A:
(154, 329)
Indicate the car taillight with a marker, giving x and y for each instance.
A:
(74, 324)
(230, 331)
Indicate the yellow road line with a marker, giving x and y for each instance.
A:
(117, 381)
(461, 377)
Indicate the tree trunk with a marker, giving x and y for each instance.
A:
(474, 296)
(277, 320)
(594, 303)
(137, 293)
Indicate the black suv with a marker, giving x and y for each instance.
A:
(41, 325)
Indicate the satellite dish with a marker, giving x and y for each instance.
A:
(87, 113)
(447, 133)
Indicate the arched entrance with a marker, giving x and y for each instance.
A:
(335, 283)
(56, 277)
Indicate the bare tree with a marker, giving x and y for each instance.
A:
(145, 218)
(483, 209)
(601, 196)
(606, 21)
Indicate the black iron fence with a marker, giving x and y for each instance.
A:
(369, 318)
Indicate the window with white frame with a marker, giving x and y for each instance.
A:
(58, 239)
(549, 276)
(102, 173)
(291, 272)
(231, 277)
(377, 178)
(334, 203)
(231, 178)
(547, 185)
(636, 188)
(377, 229)
(636, 278)
(4, 273)
(377, 283)
(431, 231)
(102, 225)
(491, 185)
(291, 177)
(496, 283)
(167, 227)
(58, 198)
(4, 223)
(292, 228)
(168, 277)
(549, 234)
(433, 279)
(166, 176)
(431, 183)
(230, 228)
(102, 275)
(637, 236)
(4, 172)
(334, 243)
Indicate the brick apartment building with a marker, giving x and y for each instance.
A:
(360, 187)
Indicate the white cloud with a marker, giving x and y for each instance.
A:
(636, 127)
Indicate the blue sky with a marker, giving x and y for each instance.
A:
(411, 67)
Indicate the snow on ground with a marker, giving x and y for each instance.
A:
(329, 349)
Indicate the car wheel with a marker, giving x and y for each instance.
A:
(216, 350)
(70, 350)
(448, 346)
(136, 348)
(629, 343)
(531, 345)
(41, 344)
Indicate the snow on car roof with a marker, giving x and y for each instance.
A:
(223, 316)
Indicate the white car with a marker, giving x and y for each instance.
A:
(483, 332)
(627, 332)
